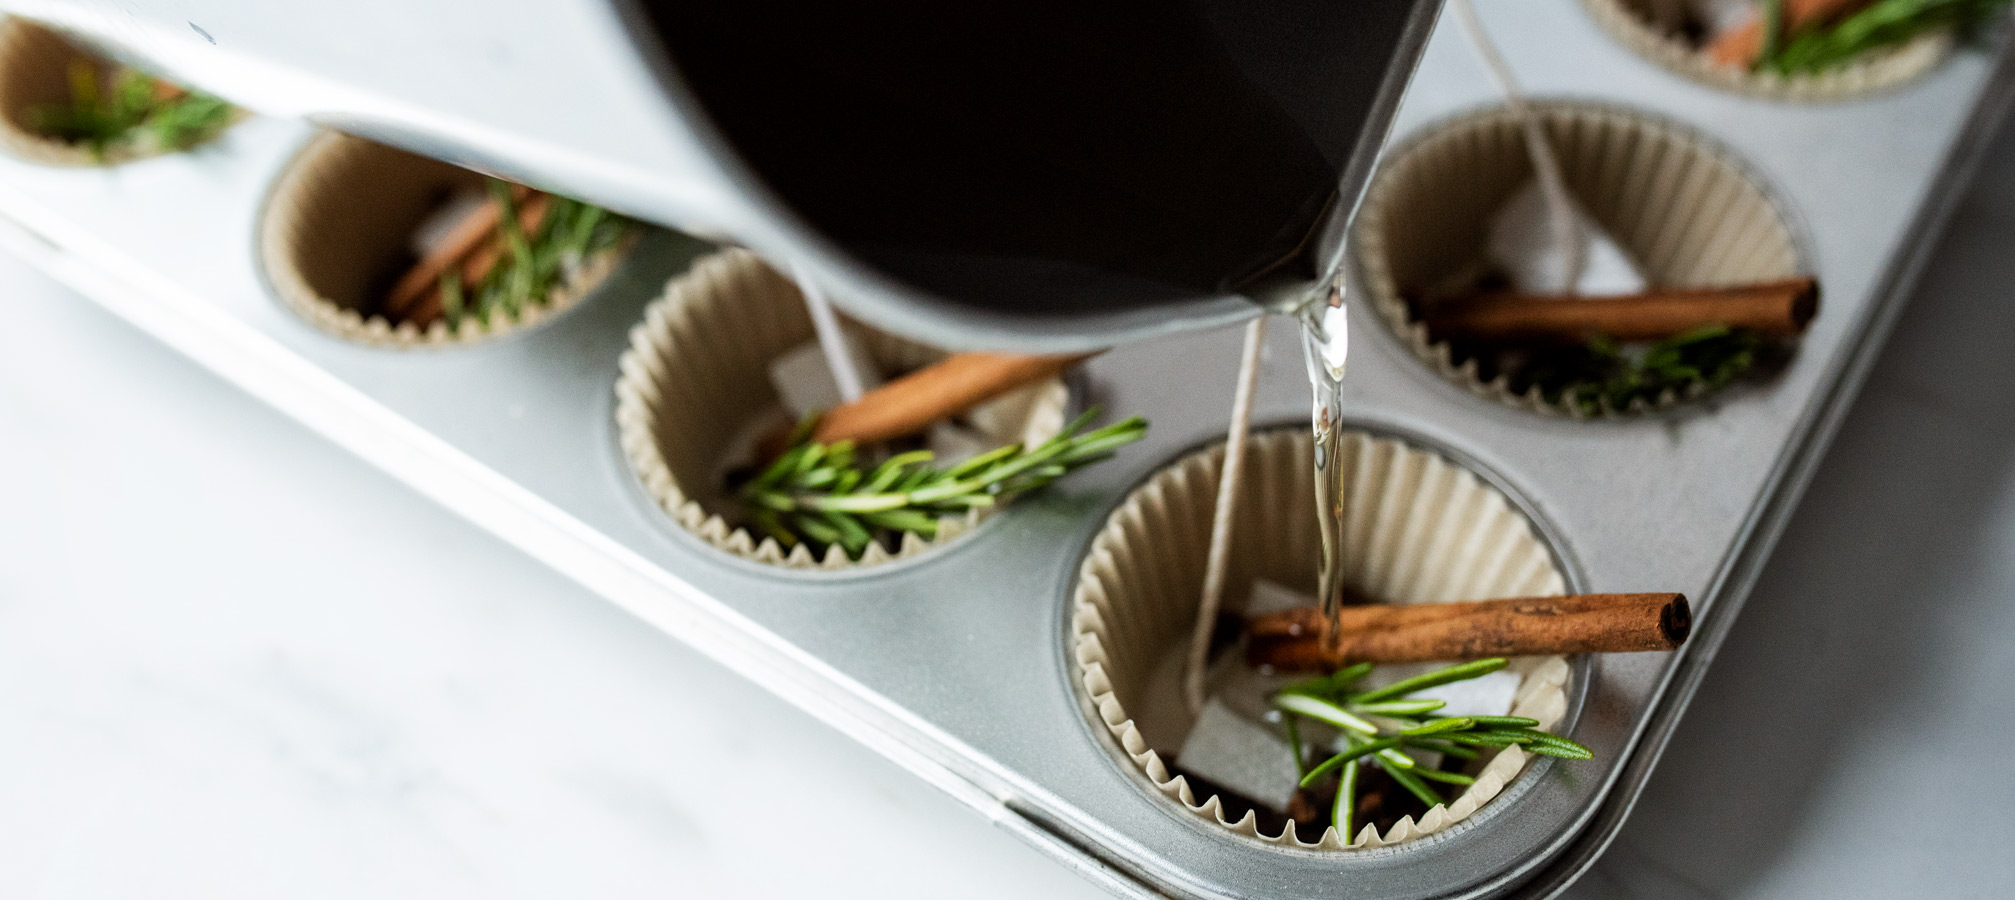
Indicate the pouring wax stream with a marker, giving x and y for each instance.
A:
(1325, 342)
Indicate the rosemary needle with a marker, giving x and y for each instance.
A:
(1401, 707)
(1325, 711)
(1436, 678)
(1346, 801)
(1414, 785)
(1368, 748)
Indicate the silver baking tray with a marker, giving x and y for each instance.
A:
(955, 665)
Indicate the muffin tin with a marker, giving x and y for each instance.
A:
(957, 666)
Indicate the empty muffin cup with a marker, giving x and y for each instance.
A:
(39, 76)
(1664, 33)
(338, 231)
(1418, 528)
(694, 396)
(1682, 211)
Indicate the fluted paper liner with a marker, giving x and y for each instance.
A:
(696, 379)
(1685, 211)
(1634, 24)
(35, 72)
(338, 224)
(1417, 528)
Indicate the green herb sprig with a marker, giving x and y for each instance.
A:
(533, 264)
(131, 109)
(1882, 24)
(1603, 373)
(1381, 725)
(818, 494)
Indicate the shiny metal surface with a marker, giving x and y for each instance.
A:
(478, 82)
(954, 665)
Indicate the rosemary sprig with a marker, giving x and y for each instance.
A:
(818, 494)
(1602, 370)
(132, 107)
(533, 263)
(1379, 726)
(1882, 24)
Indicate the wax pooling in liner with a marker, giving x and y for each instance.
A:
(1717, 16)
(1270, 597)
(435, 230)
(951, 443)
(804, 380)
(1523, 244)
(1248, 757)
(1486, 695)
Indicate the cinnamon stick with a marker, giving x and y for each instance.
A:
(423, 279)
(913, 402)
(1742, 45)
(926, 396)
(1299, 639)
(1772, 309)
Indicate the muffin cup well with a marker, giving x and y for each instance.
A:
(694, 389)
(1634, 24)
(1686, 212)
(1419, 529)
(35, 66)
(336, 231)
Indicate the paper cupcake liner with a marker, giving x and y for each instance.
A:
(337, 224)
(1634, 24)
(35, 72)
(1686, 212)
(1419, 530)
(695, 383)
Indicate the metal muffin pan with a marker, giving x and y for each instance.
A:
(955, 666)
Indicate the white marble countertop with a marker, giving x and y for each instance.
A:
(237, 662)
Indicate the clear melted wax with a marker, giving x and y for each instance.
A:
(1326, 342)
